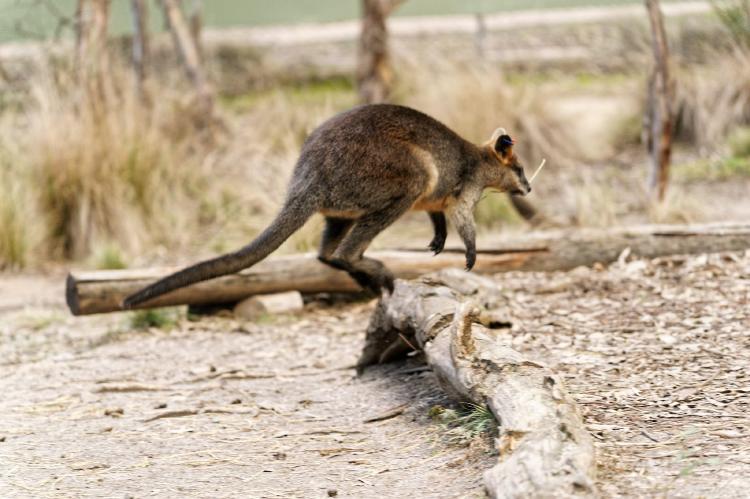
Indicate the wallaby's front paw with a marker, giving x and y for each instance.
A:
(471, 259)
(437, 245)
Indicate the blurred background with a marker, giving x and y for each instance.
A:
(141, 131)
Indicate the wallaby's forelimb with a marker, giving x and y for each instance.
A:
(292, 216)
(441, 231)
(462, 219)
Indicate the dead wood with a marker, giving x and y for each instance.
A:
(544, 450)
(660, 117)
(103, 291)
(187, 47)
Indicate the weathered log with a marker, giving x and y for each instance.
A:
(103, 291)
(544, 449)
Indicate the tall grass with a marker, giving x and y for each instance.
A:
(121, 171)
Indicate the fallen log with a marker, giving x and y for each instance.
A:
(544, 449)
(103, 291)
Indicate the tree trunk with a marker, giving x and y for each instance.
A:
(141, 51)
(91, 56)
(103, 291)
(660, 107)
(189, 53)
(544, 449)
(374, 73)
(196, 25)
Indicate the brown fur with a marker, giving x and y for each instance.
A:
(363, 169)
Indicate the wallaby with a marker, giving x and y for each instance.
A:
(363, 169)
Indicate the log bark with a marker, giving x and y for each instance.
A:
(544, 449)
(102, 291)
(660, 117)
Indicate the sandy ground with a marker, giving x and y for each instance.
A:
(656, 353)
(217, 408)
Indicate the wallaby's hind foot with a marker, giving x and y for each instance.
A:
(369, 273)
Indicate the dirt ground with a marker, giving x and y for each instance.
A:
(656, 353)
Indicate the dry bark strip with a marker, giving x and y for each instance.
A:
(544, 450)
(103, 291)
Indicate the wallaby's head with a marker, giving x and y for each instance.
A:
(505, 171)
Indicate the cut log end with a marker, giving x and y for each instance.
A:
(71, 295)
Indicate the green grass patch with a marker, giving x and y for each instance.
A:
(109, 257)
(465, 424)
(739, 142)
(721, 169)
(160, 318)
(337, 88)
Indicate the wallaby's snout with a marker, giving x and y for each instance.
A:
(523, 184)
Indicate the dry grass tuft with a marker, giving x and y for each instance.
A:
(710, 107)
(676, 208)
(115, 171)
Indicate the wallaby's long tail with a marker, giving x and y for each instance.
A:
(292, 216)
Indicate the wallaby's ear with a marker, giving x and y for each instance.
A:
(504, 144)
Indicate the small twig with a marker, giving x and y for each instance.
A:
(408, 342)
(391, 413)
(544, 160)
(194, 412)
(127, 388)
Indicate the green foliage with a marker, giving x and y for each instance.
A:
(735, 16)
(739, 142)
(161, 318)
(465, 424)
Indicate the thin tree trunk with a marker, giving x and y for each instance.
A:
(188, 50)
(196, 25)
(91, 56)
(141, 52)
(374, 73)
(660, 109)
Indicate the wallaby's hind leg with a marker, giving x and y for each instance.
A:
(333, 233)
(441, 231)
(368, 272)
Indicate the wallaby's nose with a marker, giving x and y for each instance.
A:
(528, 189)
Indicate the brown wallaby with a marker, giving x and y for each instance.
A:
(362, 170)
